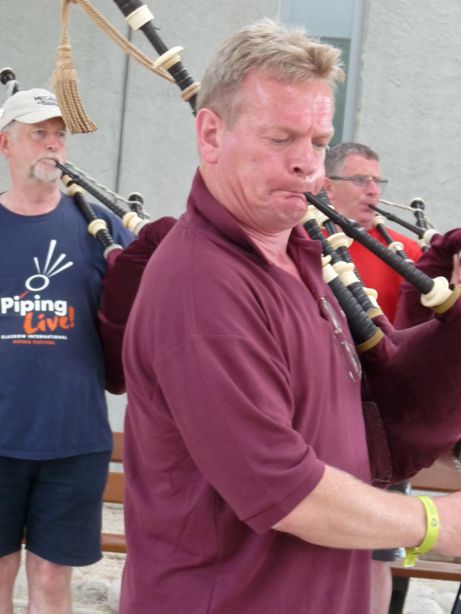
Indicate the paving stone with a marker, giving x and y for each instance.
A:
(430, 597)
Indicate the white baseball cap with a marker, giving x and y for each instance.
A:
(29, 107)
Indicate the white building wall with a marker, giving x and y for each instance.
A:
(409, 101)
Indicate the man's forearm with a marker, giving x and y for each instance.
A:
(343, 512)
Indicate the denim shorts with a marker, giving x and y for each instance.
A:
(55, 506)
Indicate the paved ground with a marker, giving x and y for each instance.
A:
(97, 590)
(430, 597)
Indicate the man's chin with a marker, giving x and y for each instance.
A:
(47, 177)
(46, 173)
(294, 215)
(295, 201)
(367, 219)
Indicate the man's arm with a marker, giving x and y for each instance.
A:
(119, 289)
(342, 512)
(436, 261)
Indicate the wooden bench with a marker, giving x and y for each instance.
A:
(435, 479)
(113, 493)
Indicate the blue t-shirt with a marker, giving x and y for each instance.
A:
(52, 401)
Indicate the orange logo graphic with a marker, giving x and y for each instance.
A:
(40, 323)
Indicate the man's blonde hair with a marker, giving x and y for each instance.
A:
(286, 55)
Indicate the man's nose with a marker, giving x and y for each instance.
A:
(304, 161)
(52, 142)
(373, 188)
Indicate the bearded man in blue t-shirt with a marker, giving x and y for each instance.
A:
(55, 439)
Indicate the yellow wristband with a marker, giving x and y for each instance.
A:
(432, 532)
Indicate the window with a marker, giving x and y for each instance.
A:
(339, 23)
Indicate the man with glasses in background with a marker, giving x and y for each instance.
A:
(353, 183)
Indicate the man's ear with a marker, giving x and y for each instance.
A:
(4, 144)
(209, 127)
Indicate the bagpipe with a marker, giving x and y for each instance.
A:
(443, 259)
(411, 405)
(139, 17)
(124, 265)
(423, 228)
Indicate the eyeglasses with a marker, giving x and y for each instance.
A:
(361, 180)
(353, 365)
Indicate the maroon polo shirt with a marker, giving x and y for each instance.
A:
(239, 394)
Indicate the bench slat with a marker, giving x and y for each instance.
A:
(113, 493)
(437, 478)
(435, 570)
(117, 451)
(113, 542)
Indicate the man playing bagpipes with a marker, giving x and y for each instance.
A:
(247, 465)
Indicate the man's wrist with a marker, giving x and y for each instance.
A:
(431, 535)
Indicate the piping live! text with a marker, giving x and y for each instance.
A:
(40, 315)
